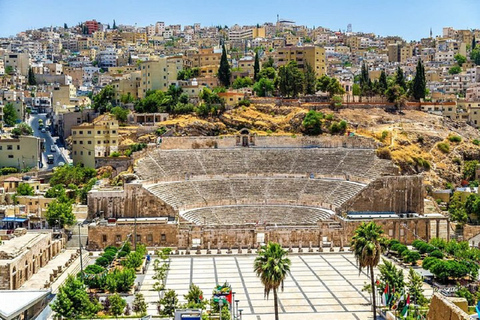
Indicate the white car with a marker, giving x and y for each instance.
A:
(53, 148)
(43, 130)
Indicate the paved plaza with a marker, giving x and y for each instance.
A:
(321, 286)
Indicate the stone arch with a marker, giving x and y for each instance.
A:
(245, 138)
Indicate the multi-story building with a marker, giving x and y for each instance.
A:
(91, 26)
(107, 58)
(153, 76)
(19, 61)
(98, 139)
(314, 56)
(207, 60)
(20, 152)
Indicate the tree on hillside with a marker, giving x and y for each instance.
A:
(25, 189)
(364, 80)
(312, 123)
(330, 85)
(72, 301)
(366, 245)
(310, 79)
(120, 114)
(224, 72)
(400, 79)
(65, 26)
(9, 115)
(31, 77)
(419, 82)
(256, 67)
(290, 80)
(382, 83)
(460, 59)
(455, 70)
(272, 267)
(475, 56)
(264, 87)
(114, 24)
(474, 42)
(102, 102)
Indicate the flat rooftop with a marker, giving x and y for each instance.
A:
(12, 248)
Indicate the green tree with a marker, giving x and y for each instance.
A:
(65, 26)
(139, 305)
(411, 257)
(269, 73)
(256, 67)
(9, 115)
(419, 82)
(455, 70)
(114, 25)
(120, 280)
(169, 303)
(224, 72)
(391, 275)
(272, 266)
(103, 101)
(330, 85)
(400, 79)
(469, 168)
(310, 80)
(120, 114)
(269, 63)
(31, 77)
(60, 214)
(76, 175)
(126, 98)
(415, 288)
(290, 80)
(25, 189)
(133, 260)
(9, 70)
(474, 42)
(395, 94)
(242, 83)
(364, 80)
(72, 300)
(460, 59)
(263, 87)
(117, 304)
(22, 129)
(475, 56)
(367, 247)
(382, 83)
(312, 123)
(194, 297)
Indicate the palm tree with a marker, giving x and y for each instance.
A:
(367, 246)
(271, 266)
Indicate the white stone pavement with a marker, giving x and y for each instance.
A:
(321, 286)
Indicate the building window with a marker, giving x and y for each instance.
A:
(9, 147)
(80, 132)
(89, 153)
(118, 238)
(81, 153)
(81, 142)
(89, 132)
(75, 142)
(139, 238)
(150, 237)
(18, 147)
(10, 156)
(163, 237)
(89, 142)
(98, 132)
(104, 237)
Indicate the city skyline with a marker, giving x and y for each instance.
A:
(369, 16)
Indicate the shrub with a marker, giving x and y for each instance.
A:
(122, 254)
(428, 262)
(329, 117)
(476, 142)
(436, 254)
(399, 248)
(133, 260)
(444, 147)
(455, 138)
(411, 256)
(109, 255)
(115, 154)
(8, 170)
(102, 261)
(244, 102)
(94, 269)
(392, 242)
(120, 280)
(417, 243)
(384, 153)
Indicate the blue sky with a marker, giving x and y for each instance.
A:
(410, 19)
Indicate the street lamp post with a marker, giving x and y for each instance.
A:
(80, 245)
(235, 316)
(232, 307)
(241, 310)
(220, 306)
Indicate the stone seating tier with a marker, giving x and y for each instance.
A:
(169, 165)
(241, 215)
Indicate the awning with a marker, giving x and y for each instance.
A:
(14, 219)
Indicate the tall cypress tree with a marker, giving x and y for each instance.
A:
(310, 80)
(474, 42)
(364, 80)
(224, 73)
(400, 79)
(256, 67)
(382, 83)
(114, 24)
(419, 83)
(31, 77)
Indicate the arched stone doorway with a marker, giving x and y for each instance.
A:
(245, 138)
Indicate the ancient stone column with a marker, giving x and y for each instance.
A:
(341, 243)
(300, 249)
(438, 228)
(208, 248)
(187, 251)
(310, 248)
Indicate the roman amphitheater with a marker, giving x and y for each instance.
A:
(240, 191)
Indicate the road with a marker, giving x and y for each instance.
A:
(59, 154)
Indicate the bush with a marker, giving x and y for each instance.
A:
(436, 254)
(384, 153)
(428, 262)
(425, 248)
(411, 256)
(111, 248)
(476, 142)
(120, 280)
(329, 117)
(109, 255)
(133, 260)
(444, 147)
(455, 138)
(115, 154)
(102, 261)
(399, 248)
(417, 243)
(8, 170)
(94, 269)
(392, 242)
(244, 102)
(122, 254)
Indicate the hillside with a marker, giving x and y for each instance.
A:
(409, 139)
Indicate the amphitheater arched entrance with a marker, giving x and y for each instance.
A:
(245, 138)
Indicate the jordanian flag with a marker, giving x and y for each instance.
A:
(385, 295)
(405, 309)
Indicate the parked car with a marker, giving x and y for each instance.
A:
(50, 159)
(53, 148)
(43, 130)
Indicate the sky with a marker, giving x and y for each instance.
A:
(410, 19)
